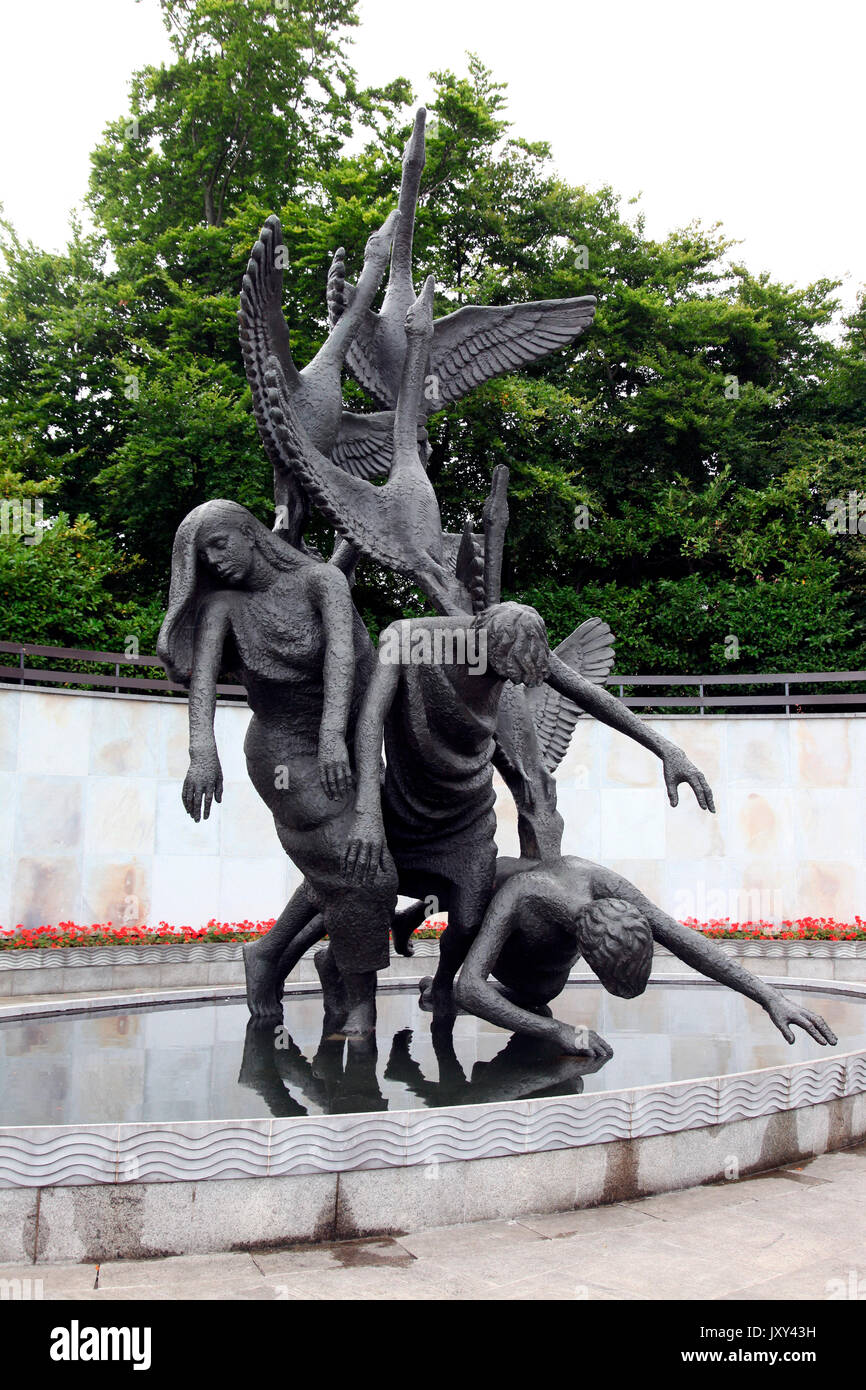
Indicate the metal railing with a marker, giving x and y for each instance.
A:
(800, 700)
(23, 674)
(788, 699)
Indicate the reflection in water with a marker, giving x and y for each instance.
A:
(342, 1079)
(179, 1062)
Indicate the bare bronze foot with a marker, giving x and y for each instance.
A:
(333, 994)
(360, 1021)
(264, 988)
(437, 998)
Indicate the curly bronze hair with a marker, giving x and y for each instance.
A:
(617, 943)
(516, 638)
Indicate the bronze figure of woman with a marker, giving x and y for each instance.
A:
(284, 622)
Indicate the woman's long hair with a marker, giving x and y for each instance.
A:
(191, 581)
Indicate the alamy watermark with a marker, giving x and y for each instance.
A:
(846, 516)
(408, 644)
(22, 516)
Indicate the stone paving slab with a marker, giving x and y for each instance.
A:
(795, 1233)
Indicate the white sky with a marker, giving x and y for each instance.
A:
(747, 112)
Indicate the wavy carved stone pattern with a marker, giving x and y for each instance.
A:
(337, 1143)
(187, 1153)
(196, 1151)
(664, 1109)
(488, 1131)
(810, 1085)
(856, 1073)
(756, 1093)
(57, 1157)
(565, 1123)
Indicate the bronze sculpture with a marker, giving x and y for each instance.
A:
(287, 624)
(448, 698)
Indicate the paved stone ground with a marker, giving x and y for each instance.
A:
(794, 1233)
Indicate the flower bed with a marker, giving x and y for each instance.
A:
(68, 934)
(107, 934)
(800, 929)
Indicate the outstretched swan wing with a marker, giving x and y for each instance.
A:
(589, 650)
(364, 446)
(477, 343)
(262, 329)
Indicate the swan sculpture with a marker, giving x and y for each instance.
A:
(360, 444)
(469, 346)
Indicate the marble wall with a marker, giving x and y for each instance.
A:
(92, 827)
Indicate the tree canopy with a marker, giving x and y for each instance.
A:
(674, 472)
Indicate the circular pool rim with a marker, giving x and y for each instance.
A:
(222, 1149)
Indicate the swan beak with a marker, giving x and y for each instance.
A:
(425, 298)
(389, 226)
(414, 154)
(419, 319)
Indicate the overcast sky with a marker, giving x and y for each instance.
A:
(747, 112)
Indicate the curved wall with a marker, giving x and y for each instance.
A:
(92, 827)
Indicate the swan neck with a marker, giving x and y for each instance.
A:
(409, 399)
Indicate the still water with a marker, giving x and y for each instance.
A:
(203, 1061)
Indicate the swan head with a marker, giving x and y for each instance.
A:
(414, 154)
(419, 319)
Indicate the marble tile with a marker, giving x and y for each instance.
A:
(691, 833)
(124, 739)
(9, 783)
(10, 714)
(645, 874)
(631, 824)
(758, 753)
(253, 888)
(46, 891)
(696, 889)
(6, 863)
(177, 832)
(759, 822)
(173, 741)
(507, 839)
(246, 825)
(763, 889)
(821, 753)
(626, 763)
(830, 889)
(230, 727)
(702, 740)
(829, 823)
(185, 889)
(581, 763)
(117, 890)
(50, 814)
(121, 816)
(54, 734)
(581, 810)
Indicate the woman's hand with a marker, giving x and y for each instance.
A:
(202, 784)
(366, 848)
(678, 768)
(335, 770)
